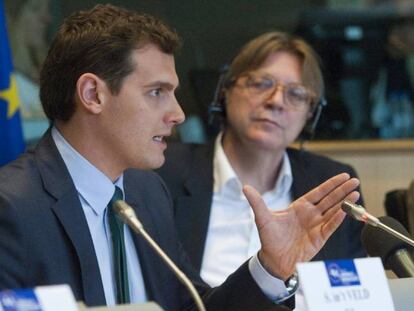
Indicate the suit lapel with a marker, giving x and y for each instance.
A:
(302, 180)
(195, 205)
(68, 210)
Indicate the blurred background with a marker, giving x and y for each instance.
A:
(366, 48)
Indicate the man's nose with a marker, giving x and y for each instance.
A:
(177, 115)
(276, 97)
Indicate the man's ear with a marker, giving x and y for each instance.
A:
(91, 91)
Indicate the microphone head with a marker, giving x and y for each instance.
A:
(123, 209)
(358, 212)
(379, 243)
(127, 214)
(347, 208)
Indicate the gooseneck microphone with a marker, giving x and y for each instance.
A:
(394, 253)
(128, 216)
(359, 213)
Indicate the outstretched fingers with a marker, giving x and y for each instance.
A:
(352, 197)
(333, 218)
(338, 195)
(332, 191)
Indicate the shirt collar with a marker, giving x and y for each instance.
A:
(222, 171)
(225, 176)
(92, 184)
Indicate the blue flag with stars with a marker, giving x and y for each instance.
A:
(11, 135)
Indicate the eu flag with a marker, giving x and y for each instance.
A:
(11, 135)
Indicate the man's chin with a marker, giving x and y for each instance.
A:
(158, 165)
(155, 163)
(149, 164)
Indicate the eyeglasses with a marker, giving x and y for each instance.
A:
(294, 94)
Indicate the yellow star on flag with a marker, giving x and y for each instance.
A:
(11, 97)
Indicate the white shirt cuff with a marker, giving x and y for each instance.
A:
(274, 288)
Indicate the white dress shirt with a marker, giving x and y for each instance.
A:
(95, 190)
(232, 236)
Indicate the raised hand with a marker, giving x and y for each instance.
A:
(298, 233)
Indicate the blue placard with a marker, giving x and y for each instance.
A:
(342, 272)
(19, 300)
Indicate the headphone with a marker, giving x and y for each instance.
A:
(217, 109)
(309, 129)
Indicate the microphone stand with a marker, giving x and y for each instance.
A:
(358, 212)
(129, 217)
(396, 233)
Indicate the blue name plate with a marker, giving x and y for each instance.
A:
(42, 298)
(342, 273)
(19, 300)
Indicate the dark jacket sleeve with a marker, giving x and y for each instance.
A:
(13, 273)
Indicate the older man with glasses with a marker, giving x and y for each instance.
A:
(269, 95)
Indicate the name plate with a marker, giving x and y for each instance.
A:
(345, 285)
(42, 298)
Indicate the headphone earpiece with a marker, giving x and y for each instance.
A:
(217, 110)
(309, 130)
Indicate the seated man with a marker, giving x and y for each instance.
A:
(108, 86)
(269, 96)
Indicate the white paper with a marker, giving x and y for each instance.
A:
(372, 293)
(57, 297)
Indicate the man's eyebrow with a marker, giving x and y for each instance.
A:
(163, 84)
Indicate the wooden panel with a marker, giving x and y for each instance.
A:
(381, 165)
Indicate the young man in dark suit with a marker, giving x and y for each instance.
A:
(108, 86)
(271, 92)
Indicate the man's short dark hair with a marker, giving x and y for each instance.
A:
(99, 41)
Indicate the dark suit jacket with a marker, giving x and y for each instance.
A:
(188, 172)
(44, 238)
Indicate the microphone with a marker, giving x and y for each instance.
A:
(394, 253)
(128, 216)
(359, 213)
